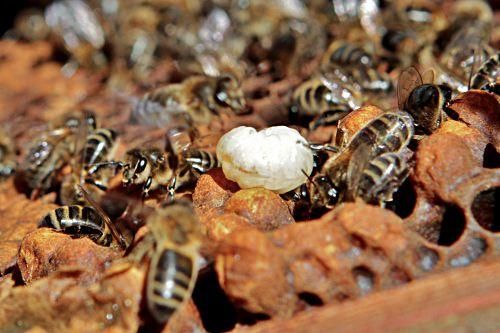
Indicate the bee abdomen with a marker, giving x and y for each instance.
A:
(201, 160)
(78, 221)
(382, 176)
(390, 132)
(487, 73)
(99, 144)
(169, 283)
(349, 54)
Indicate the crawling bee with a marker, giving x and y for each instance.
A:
(380, 178)
(486, 78)
(84, 221)
(173, 248)
(198, 96)
(99, 146)
(354, 66)
(390, 132)
(8, 163)
(79, 221)
(76, 27)
(317, 195)
(424, 102)
(327, 102)
(465, 42)
(343, 53)
(53, 150)
(47, 155)
(164, 169)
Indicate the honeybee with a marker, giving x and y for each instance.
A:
(79, 221)
(324, 100)
(401, 44)
(424, 102)
(390, 132)
(173, 249)
(99, 147)
(53, 150)
(76, 27)
(343, 53)
(313, 198)
(486, 77)
(138, 38)
(463, 43)
(164, 169)
(84, 221)
(380, 178)
(8, 163)
(198, 96)
(352, 65)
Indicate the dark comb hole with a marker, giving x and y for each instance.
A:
(365, 279)
(486, 209)
(311, 299)
(216, 311)
(404, 200)
(452, 225)
(491, 158)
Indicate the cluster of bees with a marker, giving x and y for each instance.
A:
(216, 44)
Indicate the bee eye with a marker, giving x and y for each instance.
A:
(141, 165)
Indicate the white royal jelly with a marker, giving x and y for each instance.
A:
(274, 158)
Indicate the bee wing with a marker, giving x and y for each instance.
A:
(340, 86)
(429, 75)
(114, 231)
(408, 80)
(357, 163)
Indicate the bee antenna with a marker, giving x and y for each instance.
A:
(474, 59)
(309, 177)
(114, 232)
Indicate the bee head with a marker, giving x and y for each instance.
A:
(137, 168)
(446, 92)
(228, 93)
(326, 190)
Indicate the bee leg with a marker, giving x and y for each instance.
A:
(171, 188)
(323, 147)
(97, 184)
(146, 187)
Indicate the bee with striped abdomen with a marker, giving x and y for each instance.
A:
(84, 221)
(99, 146)
(173, 249)
(200, 161)
(326, 102)
(79, 221)
(199, 96)
(381, 177)
(343, 53)
(486, 77)
(46, 156)
(54, 149)
(76, 27)
(390, 132)
(425, 102)
(352, 66)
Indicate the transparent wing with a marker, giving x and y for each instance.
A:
(339, 85)
(408, 80)
(357, 163)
